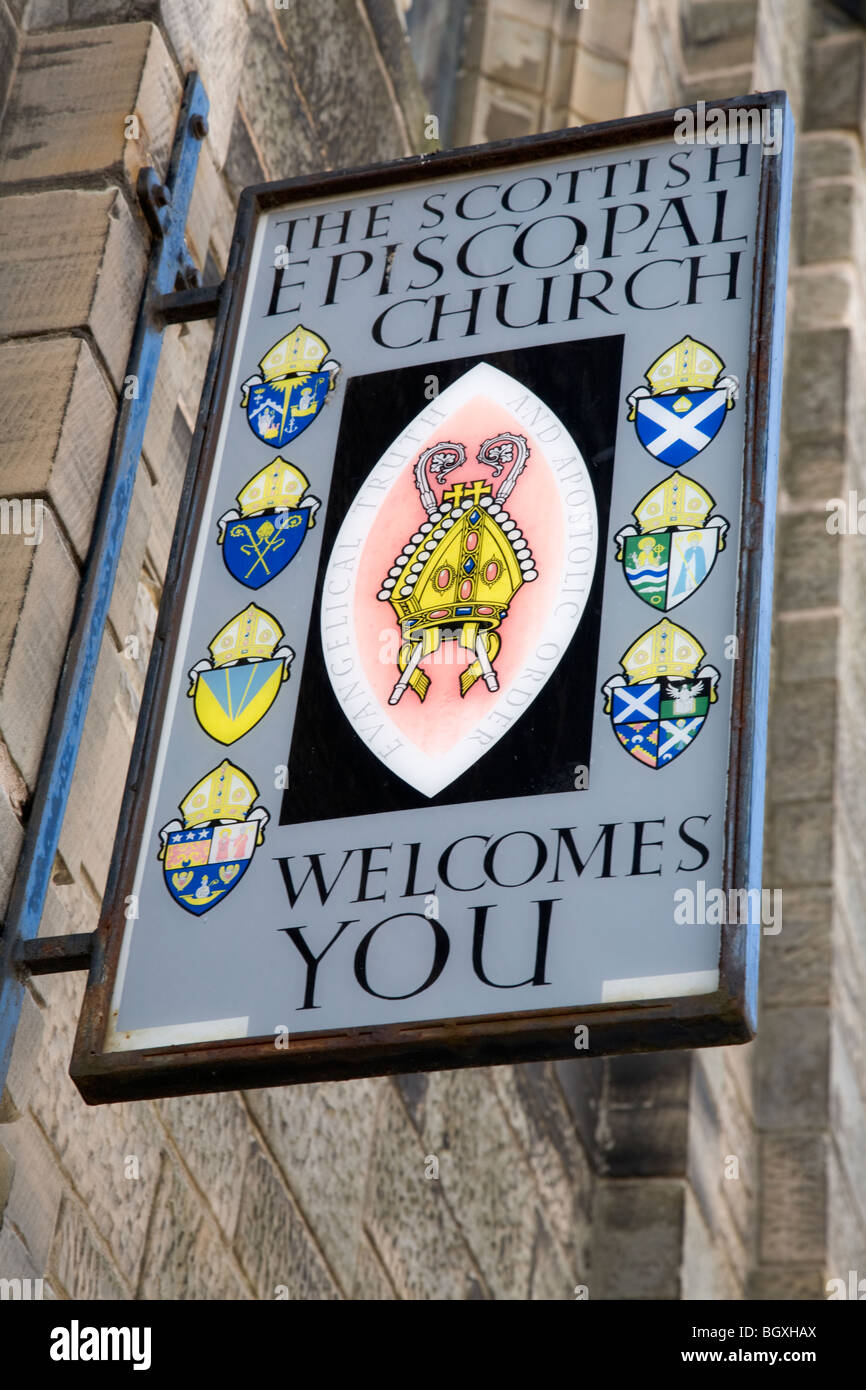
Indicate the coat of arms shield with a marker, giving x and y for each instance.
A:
(265, 532)
(659, 706)
(205, 856)
(233, 689)
(672, 551)
(284, 397)
(685, 404)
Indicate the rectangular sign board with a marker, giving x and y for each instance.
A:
(455, 719)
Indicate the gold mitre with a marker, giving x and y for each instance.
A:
(250, 633)
(686, 366)
(226, 793)
(467, 573)
(677, 501)
(300, 351)
(279, 484)
(665, 650)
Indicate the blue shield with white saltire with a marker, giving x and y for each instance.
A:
(256, 548)
(278, 411)
(677, 426)
(635, 718)
(201, 866)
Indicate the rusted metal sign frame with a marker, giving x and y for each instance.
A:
(727, 1015)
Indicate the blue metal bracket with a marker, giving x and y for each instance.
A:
(171, 293)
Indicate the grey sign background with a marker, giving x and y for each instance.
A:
(189, 974)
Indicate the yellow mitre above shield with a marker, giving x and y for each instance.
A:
(686, 366)
(250, 633)
(226, 793)
(302, 350)
(665, 650)
(677, 501)
(279, 484)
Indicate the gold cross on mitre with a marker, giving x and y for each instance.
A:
(478, 489)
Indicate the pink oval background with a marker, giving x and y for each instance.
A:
(445, 718)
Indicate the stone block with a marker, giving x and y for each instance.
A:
(825, 298)
(132, 554)
(214, 1136)
(515, 54)
(167, 493)
(501, 114)
(552, 1278)
(426, 1257)
(15, 1262)
(72, 95)
(802, 740)
(483, 1176)
(9, 45)
(788, 1283)
(195, 341)
(637, 1239)
(77, 1265)
(713, 39)
(7, 1173)
(793, 1206)
(809, 562)
(706, 1272)
(321, 1138)
(645, 1114)
(371, 1280)
(835, 89)
(272, 1242)
(210, 36)
(813, 470)
(539, 1117)
(796, 964)
(18, 1084)
(832, 154)
(356, 122)
(51, 14)
(851, 759)
(285, 141)
(211, 214)
(392, 40)
(72, 260)
(174, 1227)
(598, 85)
(792, 1068)
(800, 843)
(846, 1235)
(816, 378)
(37, 1188)
(714, 86)
(831, 216)
(805, 643)
(848, 1124)
(243, 165)
(32, 666)
(55, 441)
(97, 786)
(11, 840)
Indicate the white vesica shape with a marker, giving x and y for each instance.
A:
(459, 576)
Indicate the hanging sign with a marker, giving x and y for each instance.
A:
(451, 750)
